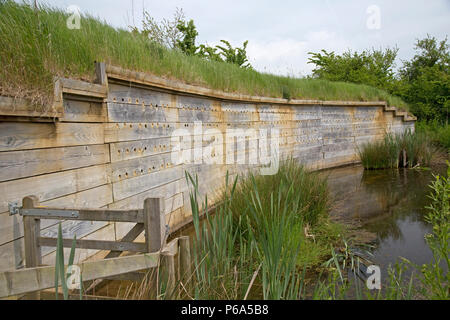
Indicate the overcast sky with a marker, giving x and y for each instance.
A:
(282, 32)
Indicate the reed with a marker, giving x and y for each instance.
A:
(398, 150)
(255, 244)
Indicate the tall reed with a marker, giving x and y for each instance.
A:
(250, 246)
(397, 150)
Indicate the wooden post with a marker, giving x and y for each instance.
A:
(154, 224)
(32, 230)
(100, 73)
(404, 158)
(167, 273)
(185, 258)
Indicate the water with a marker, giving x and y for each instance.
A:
(389, 205)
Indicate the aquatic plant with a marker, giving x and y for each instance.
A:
(435, 277)
(397, 150)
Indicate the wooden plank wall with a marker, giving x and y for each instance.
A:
(114, 152)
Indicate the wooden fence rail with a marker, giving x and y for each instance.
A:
(150, 220)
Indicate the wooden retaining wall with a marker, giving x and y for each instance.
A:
(108, 145)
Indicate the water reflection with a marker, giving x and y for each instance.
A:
(388, 203)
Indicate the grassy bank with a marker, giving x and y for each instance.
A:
(398, 150)
(37, 45)
(438, 133)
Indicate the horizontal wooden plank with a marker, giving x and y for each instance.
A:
(118, 132)
(95, 244)
(166, 191)
(53, 185)
(25, 135)
(127, 188)
(90, 214)
(78, 110)
(28, 163)
(83, 88)
(23, 108)
(128, 150)
(34, 279)
(140, 166)
(134, 112)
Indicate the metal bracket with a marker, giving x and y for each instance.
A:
(167, 230)
(49, 213)
(13, 208)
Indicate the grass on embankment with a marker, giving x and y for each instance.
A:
(37, 45)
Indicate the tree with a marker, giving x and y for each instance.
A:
(373, 67)
(187, 43)
(236, 56)
(180, 35)
(424, 81)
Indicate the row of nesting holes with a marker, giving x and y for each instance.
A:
(135, 173)
(145, 125)
(199, 108)
(140, 150)
(129, 100)
(158, 125)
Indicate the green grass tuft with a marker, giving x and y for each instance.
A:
(398, 150)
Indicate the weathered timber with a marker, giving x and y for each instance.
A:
(33, 279)
(24, 135)
(88, 214)
(95, 244)
(28, 163)
(154, 224)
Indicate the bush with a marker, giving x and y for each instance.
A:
(438, 133)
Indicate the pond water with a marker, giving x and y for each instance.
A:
(390, 204)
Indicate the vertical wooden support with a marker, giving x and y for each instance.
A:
(100, 73)
(32, 229)
(154, 224)
(167, 273)
(185, 259)
(404, 158)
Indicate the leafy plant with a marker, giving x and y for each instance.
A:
(435, 277)
(60, 270)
